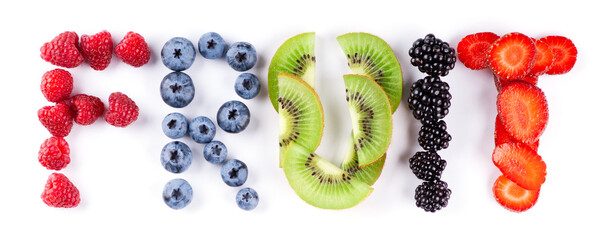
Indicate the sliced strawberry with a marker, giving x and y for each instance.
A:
(523, 110)
(512, 56)
(530, 79)
(501, 136)
(500, 83)
(565, 54)
(513, 197)
(474, 48)
(521, 164)
(543, 60)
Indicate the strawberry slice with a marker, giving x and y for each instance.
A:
(513, 197)
(530, 79)
(473, 49)
(543, 60)
(512, 56)
(521, 164)
(500, 83)
(501, 136)
(523, 110)
(565, 54)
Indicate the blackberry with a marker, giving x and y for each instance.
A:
(432, 56)
(427, 166)
(433, 195)
(429, 99)
(433, 136)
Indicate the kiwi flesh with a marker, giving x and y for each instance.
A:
(295, 56)
(370, 112)
(320, 183)
(369, 55)
(301, 114)
(368, 174)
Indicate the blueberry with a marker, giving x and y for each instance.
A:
(241, 56)
(212, 46)
(174, 125)
(247, 199)
(247, 85)
(178, 54)
(215, 152)
(176, 157)
(177, 89)
(234, 172)
(202, 129)
(233, 117)
(177, 193)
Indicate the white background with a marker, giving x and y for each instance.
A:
(118, 171)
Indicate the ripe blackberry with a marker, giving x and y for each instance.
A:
(429, 99)
(427, 166)
(432, 56)
(433, 195)
(433, 136)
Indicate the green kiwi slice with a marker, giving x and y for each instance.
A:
(319, 182)
(370, 112)
(301, 114)
(369, 55)
(295, 56)
(368, 174)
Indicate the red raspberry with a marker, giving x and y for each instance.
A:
(133, 50)
(54, 153)
(97, 49)
(87, 109)
(122, 110)
(62, 51)
(58, 119)
(57, 85)
(60, 192)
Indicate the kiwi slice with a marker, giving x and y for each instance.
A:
(301, 114)
(369, 55)
(370, 112)
(368, 174)
(295, 56)
(319, 182)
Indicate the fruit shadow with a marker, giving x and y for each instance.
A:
(412, 127)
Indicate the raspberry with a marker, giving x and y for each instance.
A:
(121, 111)
(97, 49)
(87, 109)
(58, 119)
(54, 153)
(133, 50)
(57, 85)
(60, 192)
(62, 51)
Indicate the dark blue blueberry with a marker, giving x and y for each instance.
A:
(247, 85)
(202, 129)
(247, 199)
(177, 89)
(177, 193)
(233, 117)
(234, 172)
(176, 157)
(212, 46)
(174, 125)
(241, 56)
(215, 152)
(178, 54)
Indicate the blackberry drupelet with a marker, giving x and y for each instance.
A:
(429, 99)
(432, 196)
(432, 56)
(433, 136)
(427, 166)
